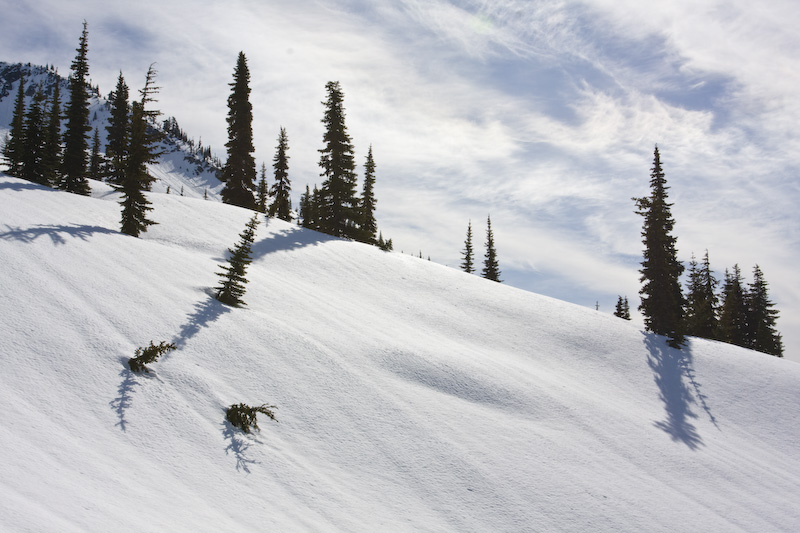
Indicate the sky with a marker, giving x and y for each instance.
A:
(543, 115)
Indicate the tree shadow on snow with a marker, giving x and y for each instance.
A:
(668, 366)
(288, 239)
(204, 313)
(55, 232)
(25, 185)
(123, 401)
(238, 446)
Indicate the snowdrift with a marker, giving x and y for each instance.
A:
(411, 396)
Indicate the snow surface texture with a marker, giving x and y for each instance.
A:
(411, 396)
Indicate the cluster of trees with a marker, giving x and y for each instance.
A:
(335, 208)
(740, 315)
(36, 151)
(491, 268)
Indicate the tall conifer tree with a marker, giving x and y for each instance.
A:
(33, 140)
(369, 226)
(118, 132)
(468, 255)
(338, 206)
(51, 158)
(141, 152)
(262, 191)
(281, 189)
(491, 268)
(762, 335)
(77, 112)
(239, 173)
(13, 148)
(662, 300)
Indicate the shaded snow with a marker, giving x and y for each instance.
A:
(411, 396)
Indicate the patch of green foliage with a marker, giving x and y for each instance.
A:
(244, 417)
(150, 354)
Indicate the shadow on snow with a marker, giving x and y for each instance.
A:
(55, 232)
(238, 446)
(204, 314)
(288, 239)
(669, 366)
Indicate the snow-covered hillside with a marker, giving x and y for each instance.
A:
(411, 396)
(181, 168)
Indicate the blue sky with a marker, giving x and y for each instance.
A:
(542, 114)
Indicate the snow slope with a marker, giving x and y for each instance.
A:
(411, 396)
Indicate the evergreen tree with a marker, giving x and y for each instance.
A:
(369, 226)
(491, 269)
(239, 173)
(262, 191)
(303, 212)
(77, 113)
(141, 151)
(118, 133)
(281, 190)
(13, 148)
(232, 287)
(662, 300)
(96, 162)
(33, 138)
(338, 209)
(733, 316)
(701, 300)
(622, 309)
(468, 255)
(762, 335)
(51, 156)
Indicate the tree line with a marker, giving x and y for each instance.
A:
(335, 208)
(35, 150)
(738, 314)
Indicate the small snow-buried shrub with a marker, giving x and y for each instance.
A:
(145, 356)
(244, 417)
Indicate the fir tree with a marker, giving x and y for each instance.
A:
(51, 156)
(96, 162)
(733, 316)
(338, 209)
(491, 269)
(662, 300)
(369, 226)
(33, 139)
(701, 300)
(77, 113)
(468, 255)
(262, 191)
(239, 173)
(762, 335)
(232, 287)
(305, 198)
(13, 148)
(141, 151)
(622, 310)
(118, 133)
(281, 189)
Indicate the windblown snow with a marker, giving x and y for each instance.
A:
(410, 396)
